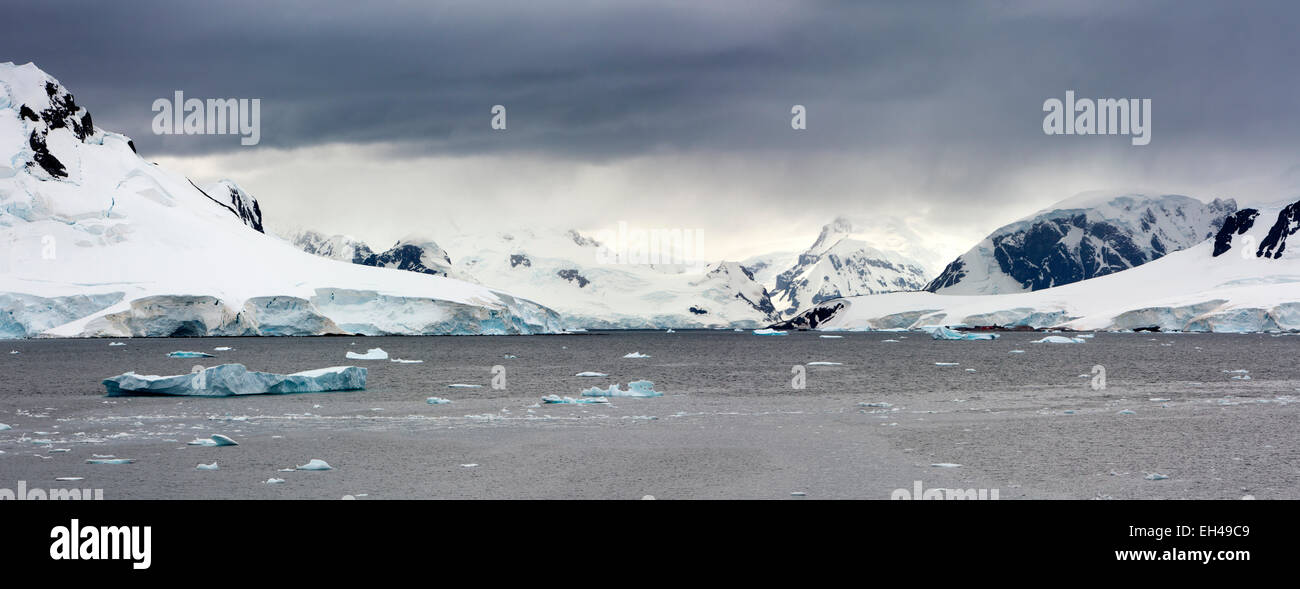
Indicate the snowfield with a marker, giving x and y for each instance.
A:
(99, 242)
(1239, 290)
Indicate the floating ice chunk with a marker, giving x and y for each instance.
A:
(889, 341)
(371, 354)
(110, 461)
(636, 388)
(768, 332)
(1247, 497)
(69, 479)
(4, 427)
(825, 364)
(401, 361)
(459, 385)
(798, 494)
(1158, 400)
(636, 355)
(948, 334)
(670, 330)
(1016, 352)
(1057, 339)
(14, 352)
(877, 404)
(1155, 476)
(558, 400)
(947, 363)
(738, 329)
(970, 370)
(59, 450)
(945, 465)
(222, 349)
(215, 440)
(1238, 371)
(274, 481)
(1241, 377)
(234, 379)
(591, 374)
(437, 401)
(111, 344)
(1086, 335)
(470, 465)
(1127, 412)
(202, 466)
(315, 464)
(652, 497)
(831, 336)
(184, 354)
(509, 356)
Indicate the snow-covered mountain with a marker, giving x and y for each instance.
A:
(838, 265)
(1243, 280)
(99, 242)
(1090, 235)
(413, 254)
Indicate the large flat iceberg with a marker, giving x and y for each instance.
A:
(944, 333)
(234, 379)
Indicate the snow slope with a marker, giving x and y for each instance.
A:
(99, 242)
(1247, 287)
(1089, 235)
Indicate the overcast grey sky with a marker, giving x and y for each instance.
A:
(375, 115)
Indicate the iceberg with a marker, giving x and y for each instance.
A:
(558, 400)
(4, 427)
(222, 349)
(768, 332)
(401, 361)
(1056, 339)
(437, 401)
(274, 481)
(825, 364)
(183, 354)
(111, 344)
(944, 333)
(215, 440)
(1155, 476)
(464, 386)
(945, 465)
(202, 466)
(234, 379)
(110, 461)
(371, 354)
(636, 355)
(591, 374)
(316, 464)
(636, 388)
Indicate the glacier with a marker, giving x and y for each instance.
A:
(234, 379)
(99, 242)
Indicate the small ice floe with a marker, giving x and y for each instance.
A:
(591, 374)
(1057, 339)
(670, 330)
(110, 461)
(509, 356)
(202, 466)
(1247, 497)
(14, 352)
(636, 355)
(437, 401)
(112, 344)
(470, 465)
(647, 497)
(1086, 335)
(831, 336)
(558, 400)
(1158, 400)
(1016, 352)
(1240, 377)
(222, 349)
(825, 364)
(1238, 371)
(1155, 476)
(945, 465)
(371, 354)
(185, 354)
(315, 464)
(970, 370)
(69, 479)
(234, 379)
(636, 388)
(215, 440)
(889, 341)
(768, 331)
(4, 427)
(798, 494)
(59, 450)
(461, 385)
(1127, 412)
(274, 481)
(880, 404)
(944, 333)
(1069, 412)
(401, 361)
(947, 363)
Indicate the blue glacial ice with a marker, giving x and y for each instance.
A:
(437, 401)
(184, 354)
(944, 333)
(768, 332)
(234, 379)
(636, 388)
(215, 440)
(110, 461)
(316, 464)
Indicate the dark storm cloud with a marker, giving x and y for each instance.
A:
(596, 79)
